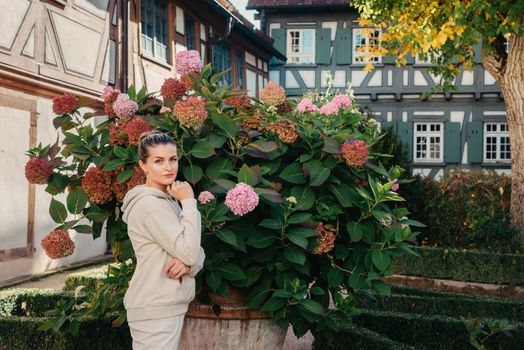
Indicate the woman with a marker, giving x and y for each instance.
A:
(166, 240)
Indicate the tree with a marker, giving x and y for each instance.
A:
(449, 32)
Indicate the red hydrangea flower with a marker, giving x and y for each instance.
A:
(239, 102)
(285, 129)
(58, 244)
(187, 81)
(273, 94)
(110, 95)
(64, 104)
(173, 89)
(117, 133)
(355, 153)
(38, 171)
(325, 239)
(134, 128)
(192, 112)
(121, 190)
(97, 185)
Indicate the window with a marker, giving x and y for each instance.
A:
(365, 39)
(190, 33)
(496, 143)
(301, 46)
(427, 60)
(428, 142)
(222, 61)
(240, 70)
(155, 35)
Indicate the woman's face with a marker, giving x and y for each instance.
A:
(161, 166)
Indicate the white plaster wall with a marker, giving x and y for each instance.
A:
(14, 141)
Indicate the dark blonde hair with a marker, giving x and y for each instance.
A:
(152, 139)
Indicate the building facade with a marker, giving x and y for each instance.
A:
(463, 129)
(52, 47)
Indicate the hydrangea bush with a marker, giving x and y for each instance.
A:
(296, 210)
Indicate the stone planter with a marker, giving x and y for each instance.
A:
(236, 328)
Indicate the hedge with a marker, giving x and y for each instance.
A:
(448, 305)
(432, 332)
(88, 278)
(21, 312)
(463, 265)
(355, 337)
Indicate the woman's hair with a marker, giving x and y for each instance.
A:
(152, 139)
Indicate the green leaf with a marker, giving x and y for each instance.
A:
(381, 287)
(216, 140)
(293, 174)
(97, 216)
(228, 125)
(312, 306)
(215, 168)
(57, 211)
(261, 239)
(247, 176)
(115, 164)
(357, 281)
(225, 184)
(274, 304)
(303, 231)
(331, 145)
(305, 197)
(57, 184)
(344, 195)
(257, 296)
(231, 272)
(355, 230)
(318, 173)
(125, 175)
(192, 173)
(202, 150)
(227, 236)
(295, 254)
(271, 224)
(120, 152)
(213, 279)
(299, 218)
(76, 200)
(83, 229)
(299, 240)
(335, 278)
(380, 259)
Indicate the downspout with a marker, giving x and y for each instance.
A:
(125, 45)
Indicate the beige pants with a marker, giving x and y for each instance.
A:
(158, 334)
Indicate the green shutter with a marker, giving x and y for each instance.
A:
(452, 149)
(343, 48)
(475, 138)
(389, 59)
(477, 49)
(323, 46)
(279, 43)
(410, 59)
(405, 134)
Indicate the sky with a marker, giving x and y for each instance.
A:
(241, 7)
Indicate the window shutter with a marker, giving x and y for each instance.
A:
(452, 149)
(475, 142)
(477, 49)
(410, 59)
(279, 43)
(343, 48)
(323, 46)
(405, 134)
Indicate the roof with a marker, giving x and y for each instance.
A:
(260, 4)
(246, 27)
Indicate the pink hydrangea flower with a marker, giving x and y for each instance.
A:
(107, 92)
(205, 197)
(395, 186)
(187, 61)
(306, 105)
(342, 100)
(124, 106)
(273, 94)
(191, 112)
(241, 199)
(329, 109)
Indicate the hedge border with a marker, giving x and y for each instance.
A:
(463, 265)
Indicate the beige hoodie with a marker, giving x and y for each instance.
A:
(159, 229)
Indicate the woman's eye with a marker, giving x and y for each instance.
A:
(158, 161)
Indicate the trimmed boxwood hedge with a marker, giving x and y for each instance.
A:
(21, 314)
(88, 278)
(432, 332)
(355, 337)
(463, 265)
(446, 304)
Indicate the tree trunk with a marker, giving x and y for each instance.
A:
(510, 76)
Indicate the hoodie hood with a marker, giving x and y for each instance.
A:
(133, 197)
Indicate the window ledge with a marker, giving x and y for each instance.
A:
(362, 65)
(496, 164)
(155, 60)
(424, 164)
(301, 65)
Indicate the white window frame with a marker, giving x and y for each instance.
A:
(300, 57)
(499, 131)
(428, 133)
(358, 41)
(426, 62)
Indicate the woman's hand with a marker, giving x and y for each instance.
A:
(181, 190)
(175, 268)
